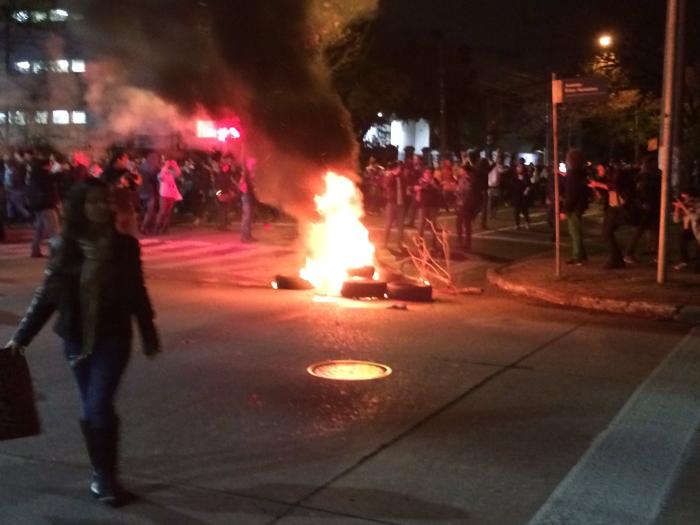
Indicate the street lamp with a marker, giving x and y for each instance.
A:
(605, 41)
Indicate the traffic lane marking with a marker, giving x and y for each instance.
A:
(627, 473)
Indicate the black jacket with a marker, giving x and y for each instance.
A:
(42, 191)
(575, 191)
(123, 295)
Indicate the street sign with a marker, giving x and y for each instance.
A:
(587, 89)
(557, 92)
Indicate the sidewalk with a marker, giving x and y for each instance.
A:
(631, 291)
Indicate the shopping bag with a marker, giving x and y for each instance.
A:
(18, 415)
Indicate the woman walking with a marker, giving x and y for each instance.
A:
(95, 282)
(169, 194)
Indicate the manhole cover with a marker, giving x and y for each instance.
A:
(348, 370)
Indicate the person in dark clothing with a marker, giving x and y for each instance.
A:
(647, 202)
(225, 189)
(428, 196)
(15, 182)
(246, 189)
(43, 199)
(550, 201)
(395, 193)
(575, 204)
(481, 177)
(148, 193)
(94, 281)
(77, 172)
(608, 184)
(412, 173)
(467, 206)
(123, 184)
(520, 196)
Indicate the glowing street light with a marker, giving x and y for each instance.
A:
(605, 41)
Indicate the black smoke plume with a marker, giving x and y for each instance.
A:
(258, 59)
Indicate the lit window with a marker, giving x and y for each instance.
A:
(78, 66)
(38, 67)
(18, 117)
(3, 118)
(39, 16)
(79, 117)
(21, 16)
(60, 116)
(60, 66)
(23, 67)
(58, 15)
(41, 117)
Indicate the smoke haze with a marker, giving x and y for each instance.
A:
(260, 60)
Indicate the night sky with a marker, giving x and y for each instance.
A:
(543, 36)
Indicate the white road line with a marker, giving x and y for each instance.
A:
(189, 253)
(627, 473)
(185, 261)
(522, 240)
(164, 247)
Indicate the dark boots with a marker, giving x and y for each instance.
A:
(102, 447)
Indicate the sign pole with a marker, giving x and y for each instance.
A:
(556, 99)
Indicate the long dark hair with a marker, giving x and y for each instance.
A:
(74, 220)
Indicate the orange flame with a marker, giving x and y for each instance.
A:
(340, 242)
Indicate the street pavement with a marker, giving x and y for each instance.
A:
(498, 410)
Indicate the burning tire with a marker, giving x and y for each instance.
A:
(287, 282)
(410, 291)
(363, 288)
(389, 276)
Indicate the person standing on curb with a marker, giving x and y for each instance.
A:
(648, 208)
(613, 202)
(95, 281)
(575, 204)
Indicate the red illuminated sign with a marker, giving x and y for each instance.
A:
(208, 129)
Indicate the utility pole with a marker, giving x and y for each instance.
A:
(557, 97)
(7, 15)
(670, 113)
(443, 104)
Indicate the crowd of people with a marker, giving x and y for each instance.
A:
(145, 190)
(215, 188)
(412, 192)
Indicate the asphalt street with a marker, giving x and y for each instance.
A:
(498, 411)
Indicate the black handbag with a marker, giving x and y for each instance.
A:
(18, 414)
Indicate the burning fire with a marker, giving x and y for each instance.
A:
(340, 242)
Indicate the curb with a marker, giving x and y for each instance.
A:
(643, 309)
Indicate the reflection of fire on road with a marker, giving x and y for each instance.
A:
(339, 242)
